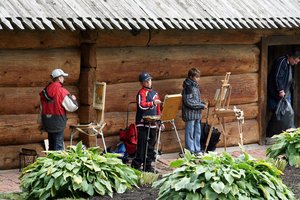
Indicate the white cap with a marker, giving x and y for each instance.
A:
(57, 73)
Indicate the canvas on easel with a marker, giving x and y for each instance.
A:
(99, 100)
(171, 105)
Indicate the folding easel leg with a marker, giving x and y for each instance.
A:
(71, 137)
(157, 146)
(178, 138)
(208, 138)
(240, 128)
(146, 150)
(209, 135)
(158, 143)
(222, 124)
(103, 141)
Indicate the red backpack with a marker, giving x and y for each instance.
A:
(129, 136)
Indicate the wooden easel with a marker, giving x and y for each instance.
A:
(222, 99)
(94, 128)
(170, 109)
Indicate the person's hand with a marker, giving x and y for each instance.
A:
(281, 93)
(156, 102)
(73, 97)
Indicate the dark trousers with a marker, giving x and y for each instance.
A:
(56, 141)
(141, 147)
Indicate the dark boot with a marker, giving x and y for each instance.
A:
(136, 165)
(149, 168)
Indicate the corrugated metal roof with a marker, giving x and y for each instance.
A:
(149, 14)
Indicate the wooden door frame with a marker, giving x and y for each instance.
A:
(263, 76)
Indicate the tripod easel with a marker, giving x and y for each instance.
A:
(94, 128)
(221, 110)
(171, 106)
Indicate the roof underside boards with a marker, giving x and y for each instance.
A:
(148, 14)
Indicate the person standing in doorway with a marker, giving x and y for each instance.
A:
(192, 107)
(280, 86)
(55, 101)
(280, 80)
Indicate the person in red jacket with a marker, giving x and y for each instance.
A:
(55, 101)
(148, 104)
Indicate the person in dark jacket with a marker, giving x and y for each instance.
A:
(55, 101)
(280, 84)
(280, 79)
(192, 107)
(148, 104)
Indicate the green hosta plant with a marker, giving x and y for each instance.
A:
(286, 144)
(220, 177)
(77, 173)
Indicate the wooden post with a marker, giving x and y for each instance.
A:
(88, 66)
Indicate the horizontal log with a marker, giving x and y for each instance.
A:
(117, 120)
(174, 62)
(9, 157)
(39, 39)
(115, 38)
(244, 90)
(33, 67)
(24, 129)
(23, 100)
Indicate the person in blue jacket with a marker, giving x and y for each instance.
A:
(192, 107)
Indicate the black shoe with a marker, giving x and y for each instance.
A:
(150, 169)
(135, 166)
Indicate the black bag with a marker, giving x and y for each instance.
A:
(214, 140)
(215, 135)
(282, 119)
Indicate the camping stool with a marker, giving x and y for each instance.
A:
(26, 157)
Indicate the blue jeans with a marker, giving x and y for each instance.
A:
(56, 141)
(192, 135)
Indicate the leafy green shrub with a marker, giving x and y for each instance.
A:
(77, 173)
(222, 177)
(286, 144)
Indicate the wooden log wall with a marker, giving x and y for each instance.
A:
(117, 57)
(168, 56)
(27, 60)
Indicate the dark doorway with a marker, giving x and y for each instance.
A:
(276, 51)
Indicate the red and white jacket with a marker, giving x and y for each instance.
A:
(145, 106)
(55, 101)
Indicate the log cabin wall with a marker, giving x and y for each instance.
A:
(27, 59)
(167, 56)
(117, 57)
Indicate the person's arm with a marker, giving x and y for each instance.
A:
(70, 103)
(157, 102)
(279, 77)
(190, 101)
(142, 100)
